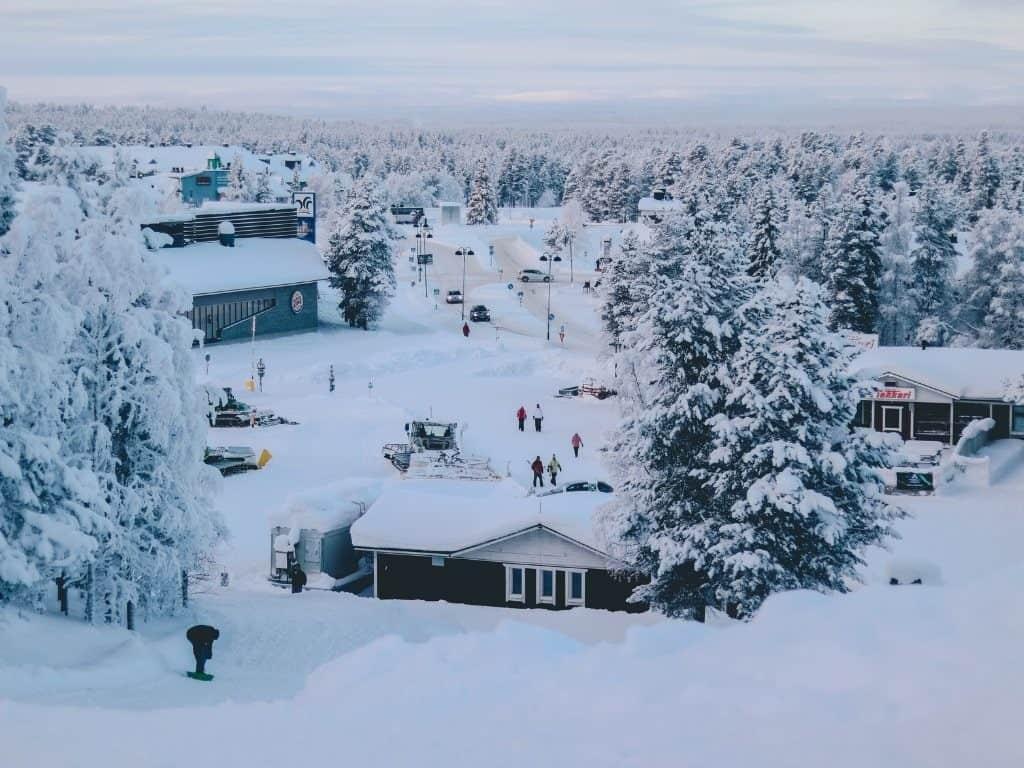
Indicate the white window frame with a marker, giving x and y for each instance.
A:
(510, 596)
(569, 599)
(899, 410)
(541, 598)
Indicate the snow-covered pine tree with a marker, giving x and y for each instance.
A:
(8, 176)
(796, 493)
(481, 207)
(997, 239)
(623, 290)
(985, 176)
(52, 513)
(359, 256)
(932, 265)
(853, 261)
(895, 305)
(1004, 324)
(237, 188)
(763, 250)
(263, 193)
(673, 370)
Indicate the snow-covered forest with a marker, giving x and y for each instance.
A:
(917, 238)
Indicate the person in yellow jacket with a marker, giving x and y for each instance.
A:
(553, 469)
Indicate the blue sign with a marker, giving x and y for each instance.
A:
(305, 215)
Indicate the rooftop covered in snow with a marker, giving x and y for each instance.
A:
(442, 517)
(653, 204)
(960, 372)
(254, 262)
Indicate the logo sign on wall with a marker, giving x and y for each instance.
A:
(305, 214)
(917, 482)
(897, 394)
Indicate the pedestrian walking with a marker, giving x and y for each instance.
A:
(561, 334)
(465, 330)
(553, 469)
(298, 579)
(577, 443)
(538, 472)
(521, 418)
(538, 417)
(202, 636)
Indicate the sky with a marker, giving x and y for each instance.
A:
(472, 60)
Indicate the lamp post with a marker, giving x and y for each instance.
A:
(549, 281)
(422, 236)
(465, 253)
(261, 368)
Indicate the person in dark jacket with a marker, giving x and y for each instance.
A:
(521, 418)
(465, 330)
(298, 579)
(202, 636)
(538, 472)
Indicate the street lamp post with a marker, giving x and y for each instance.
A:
(465, 253)
(549, 281)
(421, 249)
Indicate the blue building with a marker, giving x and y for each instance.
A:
(244, 267)
(198, 187)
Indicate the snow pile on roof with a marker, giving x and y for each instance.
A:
(230, 206)
(225, 228)
(254, 262)
(445, 517)
(960, 372)
(653, 204)
(330, 506)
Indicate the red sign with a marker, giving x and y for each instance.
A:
(895, 393)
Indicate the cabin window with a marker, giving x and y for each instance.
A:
(515, 580)
(202, 181)
(546, 586)
(437, 561)
(1017, 424)
(575, 588)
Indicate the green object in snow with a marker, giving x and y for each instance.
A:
(200, 676)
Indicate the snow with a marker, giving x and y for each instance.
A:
(253, 262)
(444, 517)
(960, 372)
(225, 228)
(650, 204)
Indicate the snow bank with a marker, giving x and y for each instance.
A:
(329, 506)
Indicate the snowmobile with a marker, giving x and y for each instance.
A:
(589, 387)
(230, 412)
(233, 460)
(432, 451)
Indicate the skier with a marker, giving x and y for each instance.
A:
(577, 443)
(538, 472)
(465, 330)
(202, 636)
(298, 579)
(561, 334)
(553, 469)
(538, 417)
(521, 418)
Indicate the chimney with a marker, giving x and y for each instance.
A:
(226, 233)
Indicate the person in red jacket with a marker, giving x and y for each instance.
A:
(538, 472)
(465, 330)
(576, 443)
(521, 418)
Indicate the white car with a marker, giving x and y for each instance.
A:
(534, 275)
(453, 297)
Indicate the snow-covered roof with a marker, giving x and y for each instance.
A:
(253, 262)
(651, 204)
(446, 517)
(194, 158)
(227, 206)
(329, 506)
(961, 372)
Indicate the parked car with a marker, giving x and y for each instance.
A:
(479, 314)
(534, 275)
(599, 486)
(453, 297)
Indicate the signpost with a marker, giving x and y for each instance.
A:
(915, 482)
(305, 215)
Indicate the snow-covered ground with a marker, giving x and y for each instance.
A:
(885, 676)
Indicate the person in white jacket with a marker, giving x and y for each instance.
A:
(538, 417)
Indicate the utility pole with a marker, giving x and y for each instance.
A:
(465, 253)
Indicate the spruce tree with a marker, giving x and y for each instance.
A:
(997, 239)
(763, 251)
(674, 381)
(360, 256)
(932, 265)
(796, 493)
(8, 177)
(481, 207)
(853, 262)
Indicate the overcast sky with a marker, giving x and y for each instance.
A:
(434, 57)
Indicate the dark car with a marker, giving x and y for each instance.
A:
(479, 314)
(599, 486)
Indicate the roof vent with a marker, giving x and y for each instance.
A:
(226, 233)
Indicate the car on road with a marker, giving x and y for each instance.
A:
(600, 486)
(479, 314)
(453, 297)
(534, 275)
